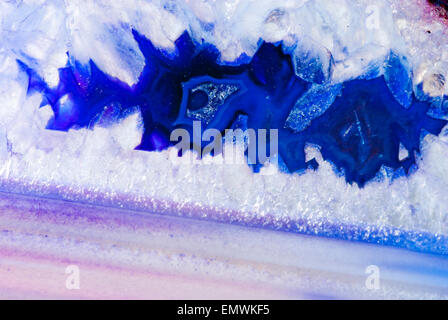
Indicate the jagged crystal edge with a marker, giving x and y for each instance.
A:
(359, 130)
(389, 236)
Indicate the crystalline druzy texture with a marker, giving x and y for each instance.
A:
(356, 90)
(359, 125)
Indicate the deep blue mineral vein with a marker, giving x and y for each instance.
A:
(358, 125)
